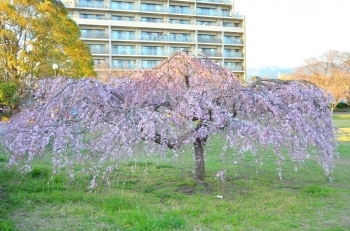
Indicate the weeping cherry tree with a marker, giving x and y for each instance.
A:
(184, 100)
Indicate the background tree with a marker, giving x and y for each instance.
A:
(330, 71)
(184, 100)
(8, 93)
(34, 34)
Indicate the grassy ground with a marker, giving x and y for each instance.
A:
(160, 194)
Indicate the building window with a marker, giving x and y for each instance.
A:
(149, 63)
(176, 49)
(153, 36)
(123, 35)
(177, 37)
(123, 5)
(151, 7)
(204, 38)
(93, 33)
(206, 23)
(124, 50)
(124, 64)
(97, 48)
(234, 66)
(209, 52)
(179, 21)
(206, 11)
(122, 18)
(232, 39)
(179, 9)
(152, 50)
(155, 20)
(226, 13)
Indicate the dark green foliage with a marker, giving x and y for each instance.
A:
(342, 106)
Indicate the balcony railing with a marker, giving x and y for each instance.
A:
(115, 6)
(234, 68)
(154, 52)
(153, 20)
(178, 21)
(213, 13)
(162, 37)
(124, 37)
(159, 8)
(184, 22)
(208, 23)
(216, 1)
(95, 35)
(209, 40)
(211, 53)
(95, 17)
(130, 19)
(233, 54)
(93, 5)
(118, 51)
(148, 65)
(232, 41)
(238, 16)
(128, 66)
(180, 38)
(95, 50)
(180, 11)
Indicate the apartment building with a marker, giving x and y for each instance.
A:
(133, 34)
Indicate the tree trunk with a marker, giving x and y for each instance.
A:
(199, 171)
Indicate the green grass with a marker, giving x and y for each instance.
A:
(160, 194)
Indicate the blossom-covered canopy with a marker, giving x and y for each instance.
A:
(182, 100)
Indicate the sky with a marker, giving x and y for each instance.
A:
(286, 32)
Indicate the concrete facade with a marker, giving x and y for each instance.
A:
(133, 34)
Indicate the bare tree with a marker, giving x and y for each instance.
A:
(330, 71)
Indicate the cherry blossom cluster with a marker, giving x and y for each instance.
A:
(97, 125)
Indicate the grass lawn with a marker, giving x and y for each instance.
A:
(160, 194)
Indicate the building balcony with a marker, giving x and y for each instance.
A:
(148, 65)
(233, 55)
(179, 38)
(233, 41)
(100, 5)
(96, 35)
(158, 9)
(155, 52)
(214, 1)
(180, 11)
(127, 66)
(153, 20)
(209, 40)
(117, 51)
(234, 68)
(124, 37)
(228, 2)
(201, 23)
(212, 53)
(130, 7)
(238, 16)
(170, 38)
(96, 51)
(213, 13)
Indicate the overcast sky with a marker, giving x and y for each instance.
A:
(286, 32)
